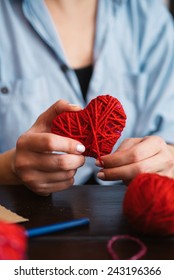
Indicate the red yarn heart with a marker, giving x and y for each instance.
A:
(97, 127)
(149, 204)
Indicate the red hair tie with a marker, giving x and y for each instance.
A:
(114, 239)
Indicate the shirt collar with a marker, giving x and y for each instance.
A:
(35, 11)
(38, 16)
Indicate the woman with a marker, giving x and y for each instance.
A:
(75, 50)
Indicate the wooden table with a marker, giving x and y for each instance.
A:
(102, 204)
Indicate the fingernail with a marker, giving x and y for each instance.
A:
(58, 153)
(101, 175)
(80, 148)
(55, 152)
(99, 163)
(74, 105)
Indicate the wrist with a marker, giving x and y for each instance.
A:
(8, 174)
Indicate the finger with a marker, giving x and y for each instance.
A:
(45, 189)
(60, 186)
(125, 145)
(48, 142)
(43, 123)
(62, 106)
(51, 163)
(127, 172)
(142, 150)
(39, 177)
(168, 173)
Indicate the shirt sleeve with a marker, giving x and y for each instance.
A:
(157, 61)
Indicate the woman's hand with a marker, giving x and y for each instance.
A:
(46, 162)
(138, 155)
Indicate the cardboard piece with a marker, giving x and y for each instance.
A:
(8, 216)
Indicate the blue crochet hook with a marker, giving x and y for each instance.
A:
(57, 227)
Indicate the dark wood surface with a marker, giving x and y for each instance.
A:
(102, 204)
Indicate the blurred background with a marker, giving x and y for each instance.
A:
(170, 3)
(171, 6)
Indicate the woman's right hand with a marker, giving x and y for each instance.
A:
(46, 162)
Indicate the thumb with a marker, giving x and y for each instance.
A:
(43, 123)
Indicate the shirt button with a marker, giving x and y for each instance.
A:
(64, 67)
(4, 90)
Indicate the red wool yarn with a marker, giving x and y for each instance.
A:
(149, 204)
(13, 242)
(97, 127)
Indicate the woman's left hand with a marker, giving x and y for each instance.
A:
(138, 155)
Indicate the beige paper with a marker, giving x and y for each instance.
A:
(9, 216)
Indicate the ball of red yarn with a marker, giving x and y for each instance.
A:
(13, 242)
(97, 127)
(149, 204)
